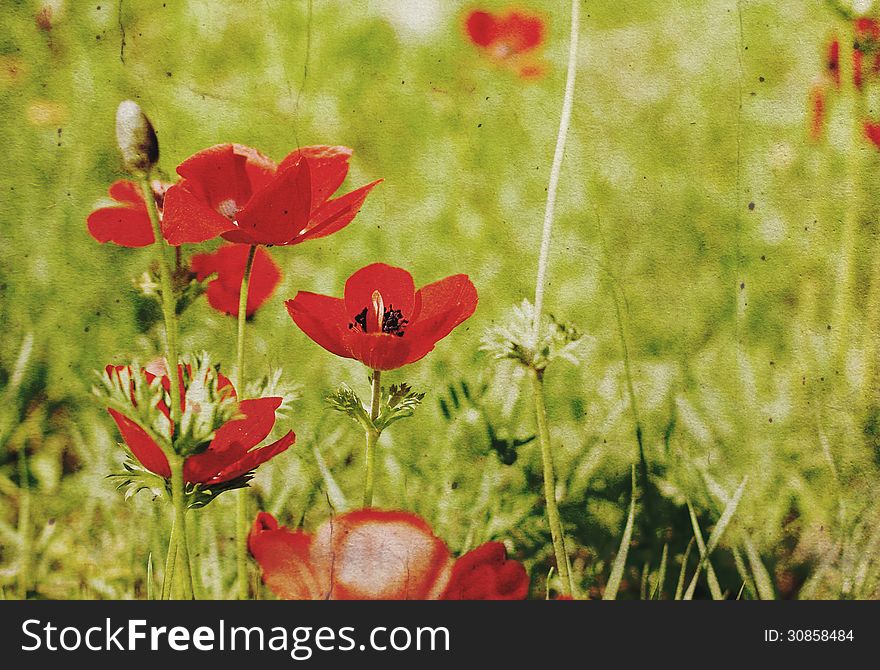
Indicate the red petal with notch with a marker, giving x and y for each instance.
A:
(485, 573)
(127, 224)
(284, 558)
(279, 211)
(253, 459)
(141, 445)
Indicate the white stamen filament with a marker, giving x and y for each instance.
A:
(379, 308)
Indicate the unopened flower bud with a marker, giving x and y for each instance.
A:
(136, 138)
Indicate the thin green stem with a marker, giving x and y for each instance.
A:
(854, 204)
(553, 517)
(177, 497)
(372, 439)
(25, 535)
(241, 516)
(556, 168)
(172, 361)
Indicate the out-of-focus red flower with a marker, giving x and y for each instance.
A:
(817, 107)
(229, 455)
(867, 45)
(382, 320)
(379, 555)
(237, 192)
(126, 223)
(227, 263)
(872, 132)
(833, 62)
(509, 39)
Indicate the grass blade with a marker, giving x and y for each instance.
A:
(657, 591)
(679, 588)
(150, 576)
(620, 560)
(714, 538)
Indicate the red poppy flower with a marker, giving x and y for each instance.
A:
(872, 132)
(382, 321)
(229, 455)
(509, 39)
(379, 555)
(237, 192)
(227, 263)
(833, 62)
(817, 112)
(126, 223)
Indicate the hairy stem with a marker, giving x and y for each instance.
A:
(177, 498)
(241, 517)
(553, 517)
(172, 361)
(556, 168)
(372, 439)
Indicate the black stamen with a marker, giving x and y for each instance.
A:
(360, 320)
(393, 321)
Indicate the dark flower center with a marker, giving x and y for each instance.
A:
(391, 321)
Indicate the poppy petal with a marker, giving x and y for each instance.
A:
(279, 211)
(482, 28)
(328, 166)
(283, 556)
(380, 555)
(228, 264)
(219, 176)
(395, 285)
(485, 573)
(336, 214)
(252, 459)
(444, 305)
(187, 219)
(126, 226)
(323, 319)
(523, 32)
(378, 351)
(141, 445)
(125, 191)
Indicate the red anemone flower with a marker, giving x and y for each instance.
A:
(126, 223)
(237, 192)
(230, 454)
(508, 39)
(227, 263)
(833, 62)
(383, 321)
(371, 554)
(872, 132)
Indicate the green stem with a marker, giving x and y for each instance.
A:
(172, 360)
(854, 203)
(556, 168)
(177, 497)
(24, 524)
(553, 517)
(372, 439)
(241, 516)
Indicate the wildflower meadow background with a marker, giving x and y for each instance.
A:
(713, 246)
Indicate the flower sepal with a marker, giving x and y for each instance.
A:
(136, 478)
(399, 401)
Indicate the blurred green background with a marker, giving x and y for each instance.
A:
(690, 190)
